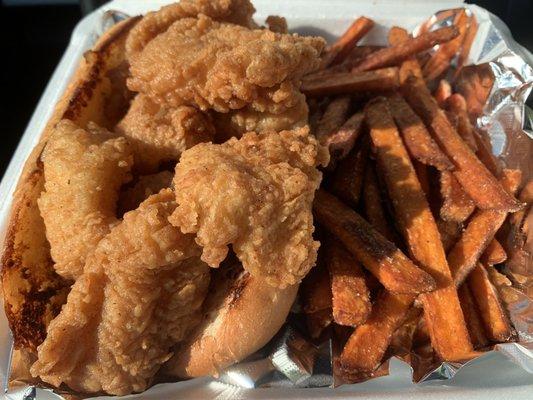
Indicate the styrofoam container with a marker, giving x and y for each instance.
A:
(489, 377)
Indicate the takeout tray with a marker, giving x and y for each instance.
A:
(491, 376)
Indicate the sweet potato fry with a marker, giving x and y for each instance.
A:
(356, 56)
(351, 298)
(456, 205)
(472, 318)
(397, 54)
(341, 141)
(441, 59)
(457, 105)
(315, 291)
(384, 260)
(423, 177)
(473, 176)
(348, 83)
(415, 135)
(443, 91)
(344, 45)
(470, 35)
(493, 315)
(475, 82)
(410, 66)
(450, 232)
(479, 232)
(373, 205)
(449, 335)
(367, 345)
(318, 321)
(484, 153)
(347, 180)
(494, 254)
(333, 118)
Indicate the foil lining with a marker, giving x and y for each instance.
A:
(290, 360)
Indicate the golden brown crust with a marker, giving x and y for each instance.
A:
(33, 292)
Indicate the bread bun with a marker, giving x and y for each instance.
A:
(242, 313)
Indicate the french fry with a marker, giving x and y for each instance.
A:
(351, 298)
(473, 176)
(423, 177)
(395, 55)
(443, 91)
(410, 66)
(470, 35)
(479, 232)
(341, 141)
(440, 60)
(416, 137)
(332, 119)
(347, 180)
(367, 345)
(472, 318)
(493, 315)
(383, 259)
(356, 56)
(318, 321)
(475, 83)
(450, 232)
(456, 103)
(484, 153)
(349, 83)
(315, 291)
(456, 205)
(402, 339)
(444, 317)
(373, 205)
(344, 45)
(494, 253)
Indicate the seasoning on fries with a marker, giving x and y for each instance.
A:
(347, 180)
(383, 259)
(479, 232)
(415, 135)
(341, 141)
(397, 54)
(442, 310)
(456, 205)
(473, 176)
(494, 253)
(345, 44)
(351, 298)
(347, 82)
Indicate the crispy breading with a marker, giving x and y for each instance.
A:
(158, 133)
(222, 66)
(238, 12)
(146, 185)
(138, 296)
(255, 194)
(238, 122)
(84, 170)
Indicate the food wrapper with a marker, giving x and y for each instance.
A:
(292, 360)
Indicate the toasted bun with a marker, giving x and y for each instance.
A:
(242, 314)
(33, 292)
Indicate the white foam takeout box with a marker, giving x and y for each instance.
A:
(489, 377)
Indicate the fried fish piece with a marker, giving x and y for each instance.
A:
(83, 170)
(238, 12)
(159, 133)
(256, 194)
(139, 295)
(224, 67)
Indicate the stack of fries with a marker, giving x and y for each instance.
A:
(411, 204)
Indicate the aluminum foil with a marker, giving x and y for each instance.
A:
(291, 360)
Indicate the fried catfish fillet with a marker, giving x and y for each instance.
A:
(224, 67)
(158, 133)
(138, 296)
(238, 12)
(255, 194)
(84, 170)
